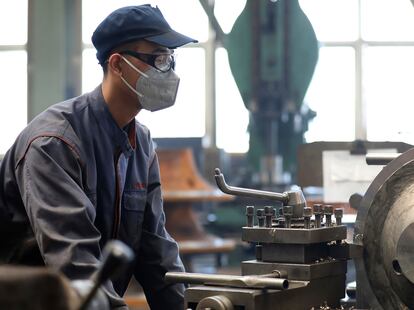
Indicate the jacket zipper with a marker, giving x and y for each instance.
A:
(117, 213)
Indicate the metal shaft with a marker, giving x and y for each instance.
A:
(250, 216)
(260, 217)
(269, 215)
(328, 210)
(380, 158)
(227, 280)
(307, 214)
(317, 211)
(339, 213)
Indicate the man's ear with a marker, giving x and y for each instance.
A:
(115, 64)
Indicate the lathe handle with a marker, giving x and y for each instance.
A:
(247, 192)
(116, 256)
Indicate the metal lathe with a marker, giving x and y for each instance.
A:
(301, 251)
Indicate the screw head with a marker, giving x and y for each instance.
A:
(260, 212)
(328, 209)
(268, 210)
(339, 212)
(249, 210)
(307, 212)
(317, 209)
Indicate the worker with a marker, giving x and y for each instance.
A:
(84, 171)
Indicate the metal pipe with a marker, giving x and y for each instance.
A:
(246, 192)
(274, 274)
(380, 158)
(227, 280)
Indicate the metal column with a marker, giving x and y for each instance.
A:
(54, 52)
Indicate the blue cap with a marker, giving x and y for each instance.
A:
(134, 23)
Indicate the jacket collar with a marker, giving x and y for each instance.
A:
(125, 140)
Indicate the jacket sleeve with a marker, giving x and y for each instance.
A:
(158, 252)
(61, 214)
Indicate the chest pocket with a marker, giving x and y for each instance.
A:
(133, 207)
(135, 200)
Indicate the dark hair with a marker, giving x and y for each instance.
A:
(105, 67)
(126, 46)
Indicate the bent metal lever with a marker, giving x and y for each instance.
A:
(291, 198)
(247, 192)
(116, 257)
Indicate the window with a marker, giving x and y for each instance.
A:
(365, 68)
(332, 94)
(389, 74)
(186, 118)
(13, 77)
(232, 117)
(333, 20)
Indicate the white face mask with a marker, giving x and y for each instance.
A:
(155, 90)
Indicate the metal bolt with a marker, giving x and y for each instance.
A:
(307, 214)
(258, 251)
(328, 210)
(317, 211)
(260, 217)
(339, 213)
(358, 239)
(268, 214)
(287, 213)
(249, 216)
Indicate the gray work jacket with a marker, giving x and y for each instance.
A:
(77, 180)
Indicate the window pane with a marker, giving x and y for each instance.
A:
(176, 13)
(333, 20)
(386, 20)
(332, 96)
(13, 111)
(232, 117)
(13, 22)
(94, 11)
(227, 12)
(186, 117)
(91, 70)
(389, 95)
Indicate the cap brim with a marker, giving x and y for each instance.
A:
(171, 39)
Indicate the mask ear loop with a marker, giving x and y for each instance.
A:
(131, 88)
(137, 70)
(133, 67)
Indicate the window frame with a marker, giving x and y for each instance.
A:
(19, 48)
(359, 45)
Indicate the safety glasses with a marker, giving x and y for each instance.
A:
(161, 61)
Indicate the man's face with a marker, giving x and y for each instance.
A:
(144, 47)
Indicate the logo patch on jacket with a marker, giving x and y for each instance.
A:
(139, 185)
